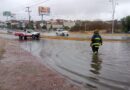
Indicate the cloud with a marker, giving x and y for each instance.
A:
(71, 9)
(80, 8)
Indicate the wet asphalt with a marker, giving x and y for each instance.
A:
(109, 70)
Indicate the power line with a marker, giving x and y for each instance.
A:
(39, 3)
(24, 6)
(35, 3)
(28, 9)
(31, 5)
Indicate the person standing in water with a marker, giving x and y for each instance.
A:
(96, 42)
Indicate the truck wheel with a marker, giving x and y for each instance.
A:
(67, 35)
(63, 34)
(38, 36)
(20, 37)
(33, 37)
(25, 37)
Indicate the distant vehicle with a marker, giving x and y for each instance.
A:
(62, 32)
(9, 31)
(28, 33)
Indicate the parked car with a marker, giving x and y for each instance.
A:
(28, 33)
(62, 32)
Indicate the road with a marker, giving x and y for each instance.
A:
(78, 35)
(109, 70)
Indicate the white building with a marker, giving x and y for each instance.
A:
(2, 24)
(59, 23)
(69, 23)
(54, 24)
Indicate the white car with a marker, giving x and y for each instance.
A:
(62, 32)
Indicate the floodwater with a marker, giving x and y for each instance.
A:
(109, 70)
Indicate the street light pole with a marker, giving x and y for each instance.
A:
(113, 16)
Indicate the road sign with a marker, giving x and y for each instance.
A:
(6, 13)
(43, 10)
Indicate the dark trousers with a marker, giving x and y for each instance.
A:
(94, 48)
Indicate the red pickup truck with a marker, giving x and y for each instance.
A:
(28, 33)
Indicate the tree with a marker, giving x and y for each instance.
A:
(31, 25)
(44, 27)
(9, 25)
(66, 27)
(126, 23)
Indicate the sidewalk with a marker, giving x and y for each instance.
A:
(19, 70)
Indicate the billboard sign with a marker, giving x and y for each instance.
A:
(6, 13)
(44, 10)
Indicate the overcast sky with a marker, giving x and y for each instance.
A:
(67, 9)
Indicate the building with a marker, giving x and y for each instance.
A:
(59, 23)
(2, 24)
(69, 24)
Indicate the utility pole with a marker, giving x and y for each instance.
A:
(114, 3)
(113, 16)
(29, 16)
(85, 26)
(42, 18)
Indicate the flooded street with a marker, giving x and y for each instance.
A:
(109, 70)
(83, 45)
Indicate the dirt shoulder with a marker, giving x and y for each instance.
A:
(81, 39)
(19, 70)
(105, 34)
(2, 46)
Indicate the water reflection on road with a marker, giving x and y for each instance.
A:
(96, 64)
(109, 70)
